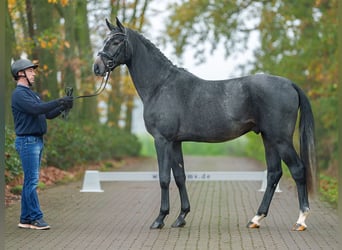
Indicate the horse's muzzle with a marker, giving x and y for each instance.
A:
(99, 67)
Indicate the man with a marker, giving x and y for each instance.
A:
(30, 114)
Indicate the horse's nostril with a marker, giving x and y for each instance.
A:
(96, 69)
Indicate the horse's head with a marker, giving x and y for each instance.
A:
(115, 50)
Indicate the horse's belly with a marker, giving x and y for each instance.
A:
(209, 131)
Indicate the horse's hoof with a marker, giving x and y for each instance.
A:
(252, 225)
(298, 227)
(157, 225)
(179, 223)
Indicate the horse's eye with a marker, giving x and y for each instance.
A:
(116, 42)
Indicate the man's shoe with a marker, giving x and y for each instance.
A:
(24, 224)
(39, 224)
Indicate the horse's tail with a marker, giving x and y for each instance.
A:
(307, 140)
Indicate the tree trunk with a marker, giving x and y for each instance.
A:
(45, 22)
(10, 44)
(87, 80)
(70, 58)
(114, 103)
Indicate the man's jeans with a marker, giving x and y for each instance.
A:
(30, 150)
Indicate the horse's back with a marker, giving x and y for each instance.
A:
(266, 82)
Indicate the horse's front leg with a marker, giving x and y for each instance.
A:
(165, 202)
(162, 148)
(179, 175)
(185, 204)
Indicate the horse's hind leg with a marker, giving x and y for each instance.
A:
(179, 175)
(298, 172)
(274, 173)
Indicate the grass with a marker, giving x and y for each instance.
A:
(19, 188)
(241, 146)
(328, 187)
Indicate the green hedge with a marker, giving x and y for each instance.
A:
(12, 161)
(70, 143)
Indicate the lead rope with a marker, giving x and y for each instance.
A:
(98, 91)
(69, 91)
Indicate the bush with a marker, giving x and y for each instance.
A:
(328, 188)
(69, 144)
(12, 160)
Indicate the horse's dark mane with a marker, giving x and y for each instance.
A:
(157, 52)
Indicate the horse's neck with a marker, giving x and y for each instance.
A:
(148, 67)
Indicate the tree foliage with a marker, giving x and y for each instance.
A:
(197, 23)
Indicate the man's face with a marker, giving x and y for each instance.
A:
(30, 74)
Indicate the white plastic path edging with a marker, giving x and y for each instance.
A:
(92, 178)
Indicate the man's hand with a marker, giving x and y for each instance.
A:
(67, 102)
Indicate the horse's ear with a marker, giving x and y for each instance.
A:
(109, 25)
(119, 24)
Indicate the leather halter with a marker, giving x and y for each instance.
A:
(110, 64)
